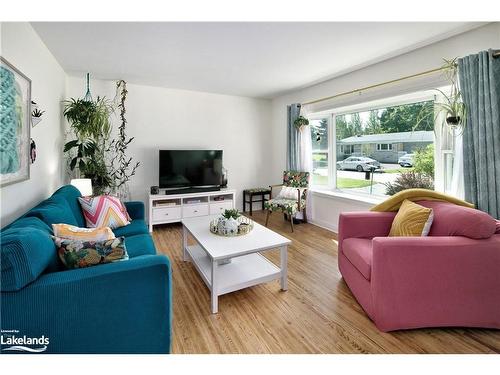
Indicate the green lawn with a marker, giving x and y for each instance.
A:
(397, 170)
(347, 183)
(342, 183)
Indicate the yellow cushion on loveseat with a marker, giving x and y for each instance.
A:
(412, 220)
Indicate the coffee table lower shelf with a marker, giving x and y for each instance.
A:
(243, 271)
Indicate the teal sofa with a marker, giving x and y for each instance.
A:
(121, 307)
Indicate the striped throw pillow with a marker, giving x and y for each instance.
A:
(103, 211)
(70, 232)
(412, 220)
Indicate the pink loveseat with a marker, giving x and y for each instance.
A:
(450, 278)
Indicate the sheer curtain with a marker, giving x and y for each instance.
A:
(457, 177)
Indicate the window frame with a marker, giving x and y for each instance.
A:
(329, 128)
(330, 115)
(389, 147)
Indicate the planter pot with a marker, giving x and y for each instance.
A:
(453, 120)
(35, 120)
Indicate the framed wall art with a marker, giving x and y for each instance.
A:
(15, 124)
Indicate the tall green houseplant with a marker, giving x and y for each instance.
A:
(89, 122)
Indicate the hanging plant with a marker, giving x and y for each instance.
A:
(453, 106)
(121, 167)
(300, 122)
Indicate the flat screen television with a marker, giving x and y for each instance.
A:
(190, 169)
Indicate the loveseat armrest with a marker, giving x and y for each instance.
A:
(135, 209)
(448, 281)
(364, 224)
(120, 307)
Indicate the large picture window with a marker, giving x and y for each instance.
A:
(379, 150)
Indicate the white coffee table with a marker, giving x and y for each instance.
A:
(246, 268)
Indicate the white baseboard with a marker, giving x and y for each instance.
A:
(325, 225)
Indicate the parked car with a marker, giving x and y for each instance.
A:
(358, 163)
(406, 160)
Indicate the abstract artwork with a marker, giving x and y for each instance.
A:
(15, 124)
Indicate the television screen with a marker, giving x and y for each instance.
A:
(190, 168)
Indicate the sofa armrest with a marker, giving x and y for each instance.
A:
(120, 307)
(135, 209)
(442, 278)
(364, 224)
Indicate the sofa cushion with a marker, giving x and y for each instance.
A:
(412, 220)
(135, 227)
(359, 253)
(141, 244)
(70, 232)
(25, 255)
(104, 211)
(71, 194)
(53, 211)
(82, 254)
(453, 220)
(29, 222)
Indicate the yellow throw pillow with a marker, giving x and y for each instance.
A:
(70, 232)
(412, 220)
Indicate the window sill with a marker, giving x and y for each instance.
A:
(346, 196)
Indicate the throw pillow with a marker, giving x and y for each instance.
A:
(288, 193)
(103, 211)
(411, 220)
(70, 232)
(81, 254)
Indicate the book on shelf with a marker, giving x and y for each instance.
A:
(189, 201)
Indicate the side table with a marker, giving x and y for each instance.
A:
(258, 192)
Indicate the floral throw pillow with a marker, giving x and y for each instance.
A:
(81, 254)
(104, 211)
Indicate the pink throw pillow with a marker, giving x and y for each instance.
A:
(104, 211)
(453, 220)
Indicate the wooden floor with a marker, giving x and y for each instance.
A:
(318, 313)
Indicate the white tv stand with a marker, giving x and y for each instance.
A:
(172, 208)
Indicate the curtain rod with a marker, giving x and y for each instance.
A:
(376, 85)
(495, 55)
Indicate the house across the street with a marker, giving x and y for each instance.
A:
(386, 148)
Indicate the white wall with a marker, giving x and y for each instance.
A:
(22, 47)
(162, 118)
(420, 60)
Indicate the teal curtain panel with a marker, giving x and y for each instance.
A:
(292, 161)
(480, 84)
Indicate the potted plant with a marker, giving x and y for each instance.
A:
(36, 116)
(452, 106)
(300, 122)
(227, 223)
(90, 122)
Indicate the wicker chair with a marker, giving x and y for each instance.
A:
(284, 202)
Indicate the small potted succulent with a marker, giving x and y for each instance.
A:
(300, 122)
(36, 116)
(227, 223)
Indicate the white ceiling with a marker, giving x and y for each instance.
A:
(247, 59)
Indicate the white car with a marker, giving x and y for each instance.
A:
(358, 163)
(406, 160)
